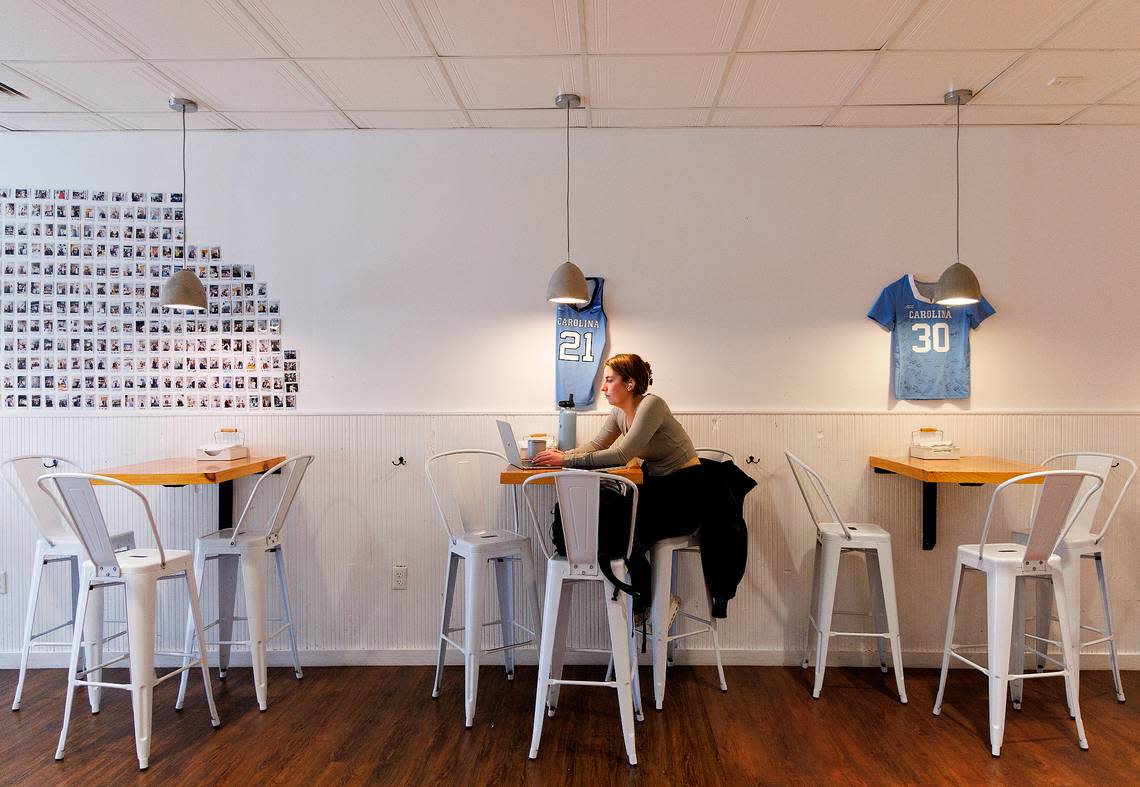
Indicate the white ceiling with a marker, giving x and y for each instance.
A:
(345, 64)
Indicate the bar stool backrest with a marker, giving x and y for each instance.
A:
(579, 495)
(293, 470)
(1063, 496)
(818, 500)
(74, 494)
(1104, 466)
(20, 474)
(467, 493)
(715, 454)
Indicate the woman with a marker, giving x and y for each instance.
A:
(641, 426)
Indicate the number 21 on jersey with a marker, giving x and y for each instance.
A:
(570, 341)
(931, 337)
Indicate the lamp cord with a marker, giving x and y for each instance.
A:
(568, 181)
(185, 233)
(957, 183)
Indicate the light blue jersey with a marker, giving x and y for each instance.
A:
(930, 344)
(580, 342)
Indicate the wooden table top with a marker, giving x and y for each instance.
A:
(513, 475)
(183, 470)
(965, 470)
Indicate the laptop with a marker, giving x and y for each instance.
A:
(511, 448)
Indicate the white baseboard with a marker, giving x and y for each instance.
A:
(528, 656)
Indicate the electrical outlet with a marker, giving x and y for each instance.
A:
(3, 582)
(399, 577)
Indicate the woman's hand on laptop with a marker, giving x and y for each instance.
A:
(551, 457)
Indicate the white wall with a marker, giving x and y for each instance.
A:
(411, 265)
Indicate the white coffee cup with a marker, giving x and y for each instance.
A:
(535, 446)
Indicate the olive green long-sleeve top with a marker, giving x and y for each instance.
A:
(655, 437)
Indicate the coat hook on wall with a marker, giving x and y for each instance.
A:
(398, 462)
(751, 460)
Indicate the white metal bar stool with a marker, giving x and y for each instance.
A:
(664, 583)
(246, 545)
(834, 538)
(56, 544)
(1007, 567)
(139, 571)
(579, 493)
(1080, 543)
(465, 487)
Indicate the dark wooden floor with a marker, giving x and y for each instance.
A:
(378, 725)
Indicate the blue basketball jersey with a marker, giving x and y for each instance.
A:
(930, 344)
(580, 343)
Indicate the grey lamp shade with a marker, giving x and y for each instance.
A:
(568, 285)
(957, 286)
(183, 290)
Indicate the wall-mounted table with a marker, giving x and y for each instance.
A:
(185, 471)
(515, 475)
(966, 471)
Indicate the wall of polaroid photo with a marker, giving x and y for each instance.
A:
(81, 327)
(412, 267)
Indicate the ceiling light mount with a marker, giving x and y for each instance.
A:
(568, 101)
(179, 104)
(958, 97)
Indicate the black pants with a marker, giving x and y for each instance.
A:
(667, 506)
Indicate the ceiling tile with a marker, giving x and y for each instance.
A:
(105, 86)
(1129, 95)
(1095, 75)
(890, 116)
(527, 118)
(169, 121)
(50, 30)
(39, 98)
(1111, 24)
(515, 82)
(770, 116)
(814, 25)
(650, 26)
(409, 119)
(54, 121)
(984, 115)
(502, 27)
(655, 80)
(986, 24)
(647, 118)
(247, 85)
(179, 29)
(925, 77)
(792, 79)
(407, 83)
(289, 121)
(346, 28)
(1109, 116)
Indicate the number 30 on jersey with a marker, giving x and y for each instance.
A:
(569, 342)
(931, 337)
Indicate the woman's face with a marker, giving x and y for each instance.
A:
(615, 388)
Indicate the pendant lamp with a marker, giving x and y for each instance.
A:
(183, 290)
(568, 285)
(957, 286)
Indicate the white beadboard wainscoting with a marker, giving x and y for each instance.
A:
(358, 514)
